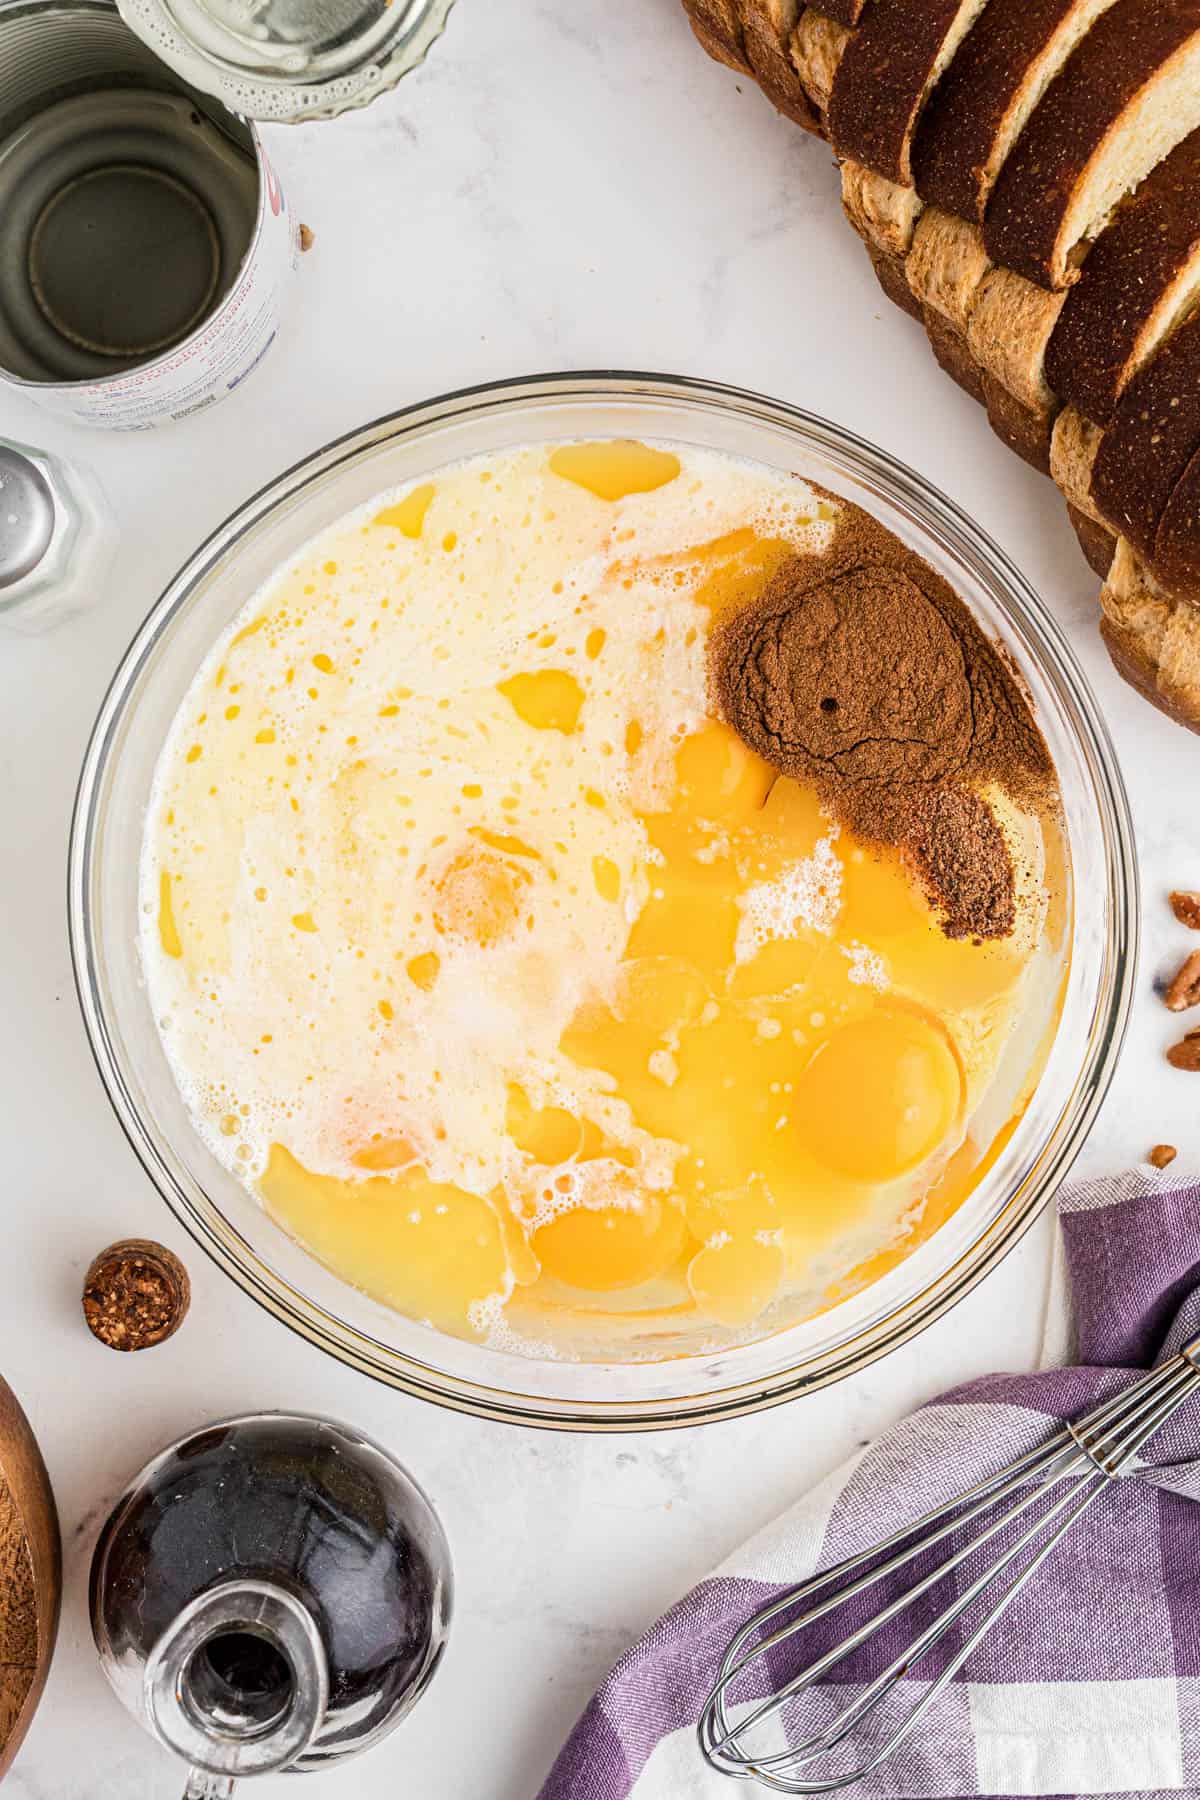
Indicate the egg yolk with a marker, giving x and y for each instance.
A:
(605, 1249)
(615, 467)
(879, 1096)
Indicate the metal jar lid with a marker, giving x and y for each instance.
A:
(289, 60)
(27, 517)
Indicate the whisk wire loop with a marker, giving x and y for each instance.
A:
(800, 1754)
(1087, 1456)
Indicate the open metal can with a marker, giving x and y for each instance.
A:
(145, 242)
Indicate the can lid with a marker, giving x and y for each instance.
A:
(26, 516)
(289, 60)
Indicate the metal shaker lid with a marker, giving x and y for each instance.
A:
(289, 60)
(26, 516)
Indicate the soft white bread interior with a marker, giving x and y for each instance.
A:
(1073, 452)
(1011, 324)
(817, 46)
(883, 213)
(946, 265)
(1154, 640)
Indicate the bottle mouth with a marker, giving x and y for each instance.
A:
(238, 1684)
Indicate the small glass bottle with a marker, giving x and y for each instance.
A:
(271, 1593)
(56, 538)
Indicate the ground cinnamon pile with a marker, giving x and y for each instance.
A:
(861, 672)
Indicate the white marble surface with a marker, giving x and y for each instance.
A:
(560, 187)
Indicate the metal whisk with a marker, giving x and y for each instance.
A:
(1055, 1484)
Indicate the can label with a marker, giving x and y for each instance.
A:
(217, 357)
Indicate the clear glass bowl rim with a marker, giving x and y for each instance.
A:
(376, 73)
(939, 515)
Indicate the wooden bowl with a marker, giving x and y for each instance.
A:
(30, 1575)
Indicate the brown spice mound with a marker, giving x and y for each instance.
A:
(861, 672)
(1163, 1155)
(964, 860)
(135, 1295)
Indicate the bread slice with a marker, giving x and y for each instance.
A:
(719, 30)
(817, 46)
(767, 27)
(1154, 434)
(894, 282)
(1140, 280)
(891, 65)
(1127, 96)
(946, 265)
(1096, 541)
(1153, 640)
(1009, 330)
(883, 213)
(950, 347)
(1176, 560)
(1073, 449)
(989, 93)
(1025, 429)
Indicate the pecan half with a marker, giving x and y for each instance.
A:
(1186, 1053)
(1184, 991)
(1186, 907)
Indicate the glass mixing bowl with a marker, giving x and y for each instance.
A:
(222, 1215)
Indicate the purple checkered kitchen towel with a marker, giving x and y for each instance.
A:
(1090, 1683)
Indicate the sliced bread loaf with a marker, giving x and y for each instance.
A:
(1153, 436)
(767, 27)
(816, 49)
(988, 94)
(891, 65)
(883, 213)
(1127, 96)
(1140, 279)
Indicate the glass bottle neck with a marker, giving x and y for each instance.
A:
(238, 1684)
(203, 1786)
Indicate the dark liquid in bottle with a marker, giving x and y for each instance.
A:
(313, 1509)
